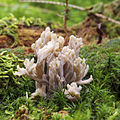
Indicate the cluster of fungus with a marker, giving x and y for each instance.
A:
(57, 66)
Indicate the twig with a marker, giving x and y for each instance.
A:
(107, 18)
(55, 3)
(66, 16)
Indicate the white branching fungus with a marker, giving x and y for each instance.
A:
(73, 91)
(57, 66)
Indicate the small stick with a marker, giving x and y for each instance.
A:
(55, 3)
(66, 16)
(107, 18)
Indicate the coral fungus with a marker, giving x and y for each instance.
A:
(57, 66)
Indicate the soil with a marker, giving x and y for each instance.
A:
(5, 41)
(28, 35)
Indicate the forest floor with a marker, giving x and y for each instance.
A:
(98, 100)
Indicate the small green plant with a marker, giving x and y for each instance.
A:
(9, 26)
(11, 87)
(31, 22)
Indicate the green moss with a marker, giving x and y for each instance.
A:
(12, 88)
(98, 101)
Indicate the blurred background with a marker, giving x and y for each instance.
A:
(48, 13)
